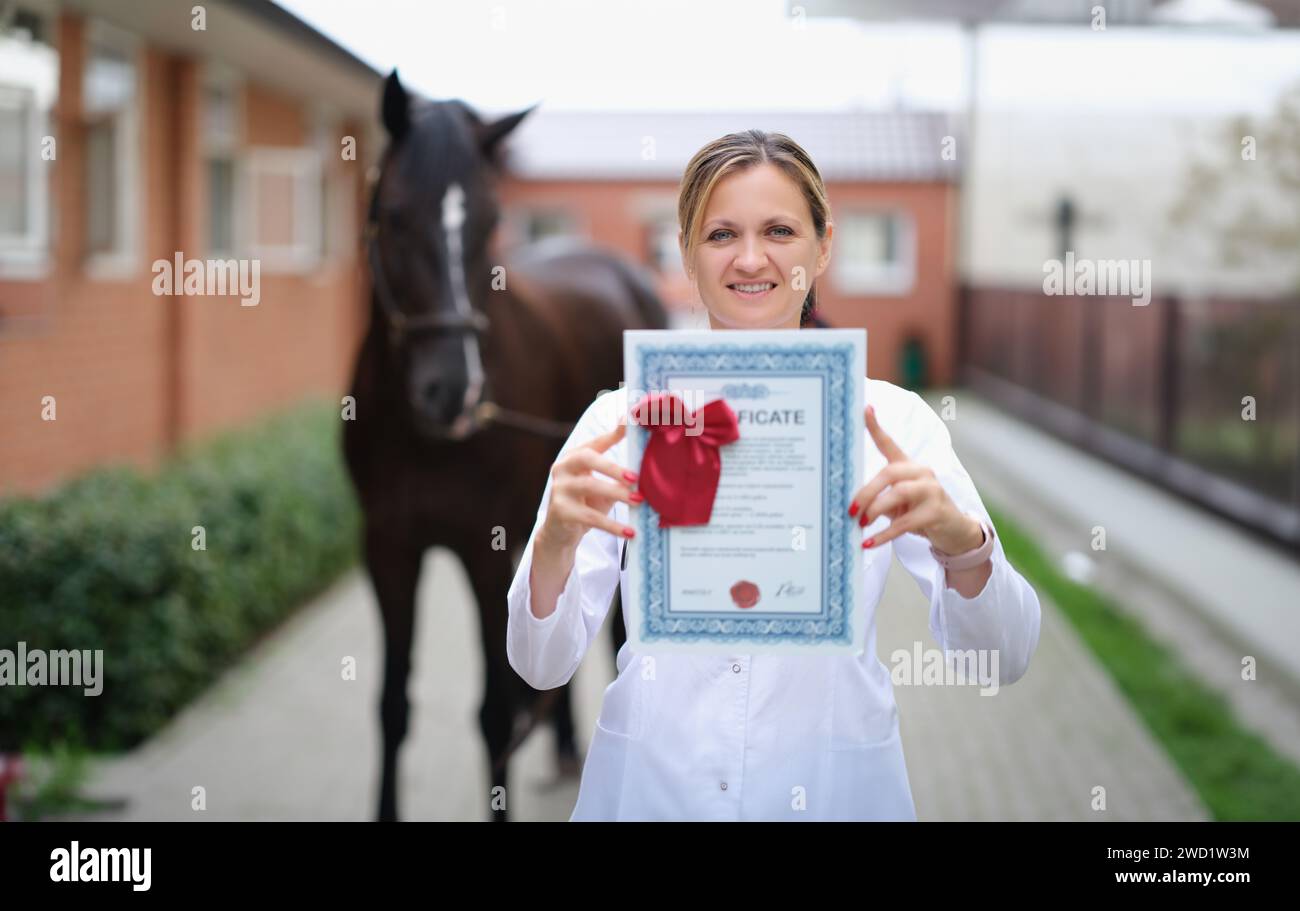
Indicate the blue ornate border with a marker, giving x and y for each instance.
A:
(833, 623)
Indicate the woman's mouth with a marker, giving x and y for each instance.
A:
(751, 290)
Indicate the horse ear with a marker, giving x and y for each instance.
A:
(490, 135)
(396, 108)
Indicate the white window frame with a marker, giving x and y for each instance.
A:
(123, 262)
(870, 280)
(219, 76)
(335, 211)
(303, 166)
(26, 256)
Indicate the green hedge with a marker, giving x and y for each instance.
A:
(107, 562)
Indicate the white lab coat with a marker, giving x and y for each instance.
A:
(763, 737)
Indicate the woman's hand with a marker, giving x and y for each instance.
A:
(579, 501)
(914, 500)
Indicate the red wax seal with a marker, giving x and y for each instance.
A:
(745, 594)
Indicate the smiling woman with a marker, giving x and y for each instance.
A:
(725, 736)
(756, 268)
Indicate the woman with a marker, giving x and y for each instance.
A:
(741, 737)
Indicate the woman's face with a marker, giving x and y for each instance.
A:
(758, 252)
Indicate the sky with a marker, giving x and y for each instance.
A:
(753, 54)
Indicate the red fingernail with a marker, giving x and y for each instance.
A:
(862, 523)
(635, 497)
(853, 508)
(629, 533)
(630, 476)
(868, 542)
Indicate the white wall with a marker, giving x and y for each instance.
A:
(1116, 121)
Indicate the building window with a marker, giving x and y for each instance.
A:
(284, 195)
(875, 253)
(321, 141)
(664, 253)
(17, 167)
(539, 224)
(112, 150)
(221, 139)
(221, 205)
(335, 224)
(28, 89)
(104, 205)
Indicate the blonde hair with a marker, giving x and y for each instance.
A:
(737, 152)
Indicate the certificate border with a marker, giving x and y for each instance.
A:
(834, 624)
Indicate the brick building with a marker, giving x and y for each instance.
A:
(613, 177)
(223, 137)
(133, 131)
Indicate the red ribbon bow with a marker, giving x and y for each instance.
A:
(681, 463)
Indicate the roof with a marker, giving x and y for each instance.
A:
(262, 41)
(1284, 13)
(279, 17)
(855, 145)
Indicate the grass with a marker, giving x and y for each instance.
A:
(52, 783)
(1236, 773)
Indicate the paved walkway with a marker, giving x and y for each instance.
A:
(284, 737)
(1210, 591)
(1036, 750)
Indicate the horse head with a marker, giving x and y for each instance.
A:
(431, 217)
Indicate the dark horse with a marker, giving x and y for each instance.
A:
(467, 382)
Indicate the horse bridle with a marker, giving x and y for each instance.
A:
(401, 324)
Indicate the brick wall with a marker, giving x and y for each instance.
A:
(134, 373)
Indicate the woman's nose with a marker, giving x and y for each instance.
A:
(752, 258)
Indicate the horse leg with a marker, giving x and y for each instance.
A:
(566, 750)
(566, 747)
(490, 574)
(394, 566)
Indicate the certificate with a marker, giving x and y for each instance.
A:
(777, 567)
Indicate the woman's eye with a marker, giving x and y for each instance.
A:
(788, 232)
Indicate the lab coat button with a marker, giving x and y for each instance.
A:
(724, 786)
(735, 668)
